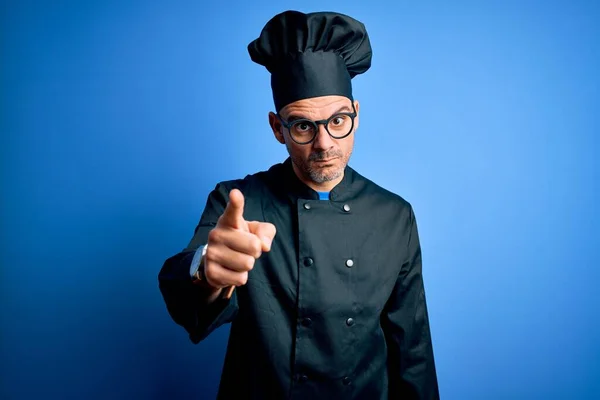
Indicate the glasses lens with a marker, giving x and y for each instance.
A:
(303, 131)
(340, 125)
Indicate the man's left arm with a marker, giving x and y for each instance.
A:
(405, 321)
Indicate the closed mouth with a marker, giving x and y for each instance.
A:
(331, 159)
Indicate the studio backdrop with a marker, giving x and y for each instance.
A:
(118, 119)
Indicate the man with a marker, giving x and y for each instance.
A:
(317, 268)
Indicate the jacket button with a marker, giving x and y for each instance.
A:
(346, 381)
(346, 208)
(308, 261)
(303, 378)
(350, 321)
(307, 322)
(307, 206)
(349, 263)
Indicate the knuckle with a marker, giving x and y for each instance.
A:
(210, 254)
(256, 247)
(213, 236)
(209, 270)
(242, 279)
(212, 276)
(248, 263)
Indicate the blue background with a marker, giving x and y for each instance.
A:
(118, 118)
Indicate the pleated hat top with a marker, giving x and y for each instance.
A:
(311, 55)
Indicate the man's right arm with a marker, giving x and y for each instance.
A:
(233, 245)
(190, 304)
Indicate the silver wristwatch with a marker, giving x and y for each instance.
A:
(197, 267)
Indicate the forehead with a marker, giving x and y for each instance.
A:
(317, 107)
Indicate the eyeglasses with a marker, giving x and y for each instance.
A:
(304, 131)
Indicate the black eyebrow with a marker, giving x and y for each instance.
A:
(295, 117)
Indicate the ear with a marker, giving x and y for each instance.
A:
(356, 119)
(276, 127)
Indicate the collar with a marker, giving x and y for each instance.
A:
(286, 178)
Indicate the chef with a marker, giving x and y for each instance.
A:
(317, 268)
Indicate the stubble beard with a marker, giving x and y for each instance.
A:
(318, 174)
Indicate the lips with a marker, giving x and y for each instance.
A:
(324, 161)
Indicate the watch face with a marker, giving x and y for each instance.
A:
(193, 270)
(196, 261)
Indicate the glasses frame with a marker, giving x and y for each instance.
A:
(315, 124)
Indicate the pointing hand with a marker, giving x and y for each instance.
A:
(234, 245)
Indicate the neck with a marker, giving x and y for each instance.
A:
(318, 187)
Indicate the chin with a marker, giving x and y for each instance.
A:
(325, 174)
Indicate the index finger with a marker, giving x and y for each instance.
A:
(233, 216)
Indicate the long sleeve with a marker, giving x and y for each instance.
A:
(405, 321)
(184, 300)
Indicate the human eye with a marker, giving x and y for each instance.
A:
(302, 127)
(338, 120)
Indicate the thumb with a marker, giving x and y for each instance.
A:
(233, 216)
(265, 232)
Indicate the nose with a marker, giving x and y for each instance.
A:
(323, 141)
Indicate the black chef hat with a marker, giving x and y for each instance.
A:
(311, 55)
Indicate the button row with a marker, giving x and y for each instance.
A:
(346, 207)
(309, 261)
(308, 322)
